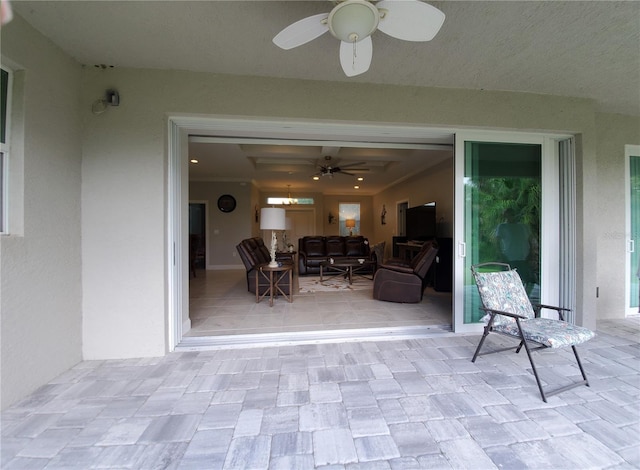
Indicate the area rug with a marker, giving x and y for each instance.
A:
(311, 284)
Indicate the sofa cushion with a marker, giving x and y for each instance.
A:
(261, 251)
(356, 247)
(313, 246)
(335, 246)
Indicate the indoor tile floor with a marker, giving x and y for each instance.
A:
(219, 304)
(404, 404)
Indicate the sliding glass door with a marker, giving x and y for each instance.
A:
(499, 214)
(633, 228)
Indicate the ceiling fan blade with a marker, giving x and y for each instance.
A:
(349, 165)
(302, 31)
(409, 20)
(355, 58)
(347, 173)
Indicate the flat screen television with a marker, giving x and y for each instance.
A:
(421, 222)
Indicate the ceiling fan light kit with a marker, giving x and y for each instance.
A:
(354, 21)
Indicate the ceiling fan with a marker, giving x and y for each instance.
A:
(354, 21)
(328, 170)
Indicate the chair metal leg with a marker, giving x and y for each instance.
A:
(533, 366)
(484, 336)
(584, 375)
(549, 393)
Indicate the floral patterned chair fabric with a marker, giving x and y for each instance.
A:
(509, 312)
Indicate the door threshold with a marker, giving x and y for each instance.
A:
(293, 338)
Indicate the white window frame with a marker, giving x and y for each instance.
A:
(4, 160)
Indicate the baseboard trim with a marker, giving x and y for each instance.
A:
(202, 343)
(222, 267)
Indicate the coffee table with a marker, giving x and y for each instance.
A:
(347, 268)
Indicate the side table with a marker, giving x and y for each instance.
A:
(274, 276)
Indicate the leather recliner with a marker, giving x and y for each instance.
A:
(254, 254)
(399, 281)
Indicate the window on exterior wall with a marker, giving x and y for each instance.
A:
(5, 87)
(349, 218)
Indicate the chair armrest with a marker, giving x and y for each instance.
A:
(284, 256)
(397, 262)
(539, 307)
(396, 268)
(493, 312)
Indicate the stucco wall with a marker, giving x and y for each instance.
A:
(614, 132)
(41, 264)
(124, 173)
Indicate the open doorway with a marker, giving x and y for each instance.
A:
(420, 138)
(197, 237)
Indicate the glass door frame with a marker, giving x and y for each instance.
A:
(549, 239)
(632, 245)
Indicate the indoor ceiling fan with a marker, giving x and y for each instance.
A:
(354, 21)
(328, 170)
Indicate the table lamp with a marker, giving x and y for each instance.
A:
(350, 224)
(273, 218)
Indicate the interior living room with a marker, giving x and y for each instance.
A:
(102, 99)
(313, 182)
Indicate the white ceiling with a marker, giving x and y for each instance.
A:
(570, 48)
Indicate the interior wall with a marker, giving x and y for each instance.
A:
(319, 206)
(614, 132)
(131, 139)
(435, 184)
(254, 214)
(226, 229)
(40, 274)
(332, 204)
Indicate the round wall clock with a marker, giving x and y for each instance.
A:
(226, 203)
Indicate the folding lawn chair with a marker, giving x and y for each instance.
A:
(510, 312)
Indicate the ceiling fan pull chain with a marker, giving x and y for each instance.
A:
(355, 54)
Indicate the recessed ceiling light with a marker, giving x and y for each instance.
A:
(316, 178)
(194, 160)
(360, 178)
(356, 187)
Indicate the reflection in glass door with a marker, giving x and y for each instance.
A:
(502, 214)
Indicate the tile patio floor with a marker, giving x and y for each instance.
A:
(355, 405)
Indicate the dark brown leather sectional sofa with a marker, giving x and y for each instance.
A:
(313, 250)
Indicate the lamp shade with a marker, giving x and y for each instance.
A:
(350, 223)
(272, 218)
